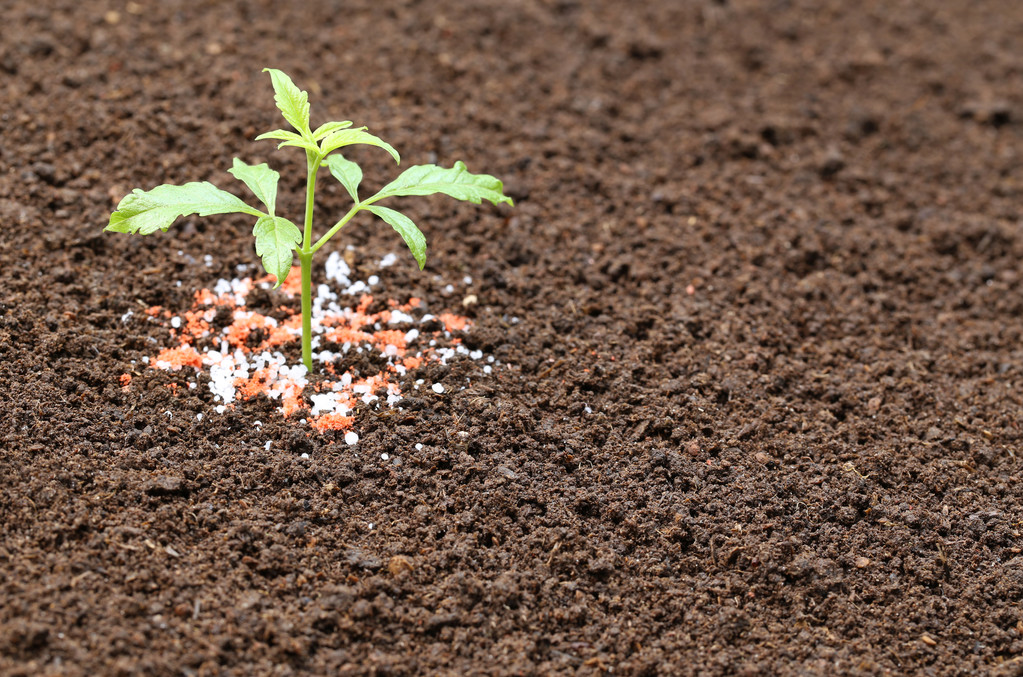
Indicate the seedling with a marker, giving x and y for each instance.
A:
(277, 238)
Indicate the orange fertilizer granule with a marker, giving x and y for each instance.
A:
(176, 358)
(241, 367)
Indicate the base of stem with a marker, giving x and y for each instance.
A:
(306, 261)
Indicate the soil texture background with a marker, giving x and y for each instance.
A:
(756, 315)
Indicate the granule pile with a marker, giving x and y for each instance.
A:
(244, 358)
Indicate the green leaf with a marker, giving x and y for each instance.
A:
(147, 212)
(260, 179)
(347, 172)
(456, 182)
(292, 102)
(302, 143)
(290, 139)
(280, 135)
(409, 232)
(348, 137)
(276, 240)
(329, 128)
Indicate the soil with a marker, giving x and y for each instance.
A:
(757, 317)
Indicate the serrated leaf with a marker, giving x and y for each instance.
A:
(292, 101)
(348, 137)
(260, 179)
(457, 182)
(329, 128)
(280, 135)
(408, 230)
(146, 212)
(347, 172)
(301, 143)
(276, 240)
(289, 139)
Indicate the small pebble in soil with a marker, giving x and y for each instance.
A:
(438, 388)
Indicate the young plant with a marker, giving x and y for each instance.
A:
(277, 238)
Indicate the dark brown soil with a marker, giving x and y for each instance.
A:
(763, 415)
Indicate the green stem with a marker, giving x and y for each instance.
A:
(305, 257)
(313, 166)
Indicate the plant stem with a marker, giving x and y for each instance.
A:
(305, 257)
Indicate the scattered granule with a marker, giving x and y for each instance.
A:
(204, 297)
(344, 335)
(247, 388)
(333, 422)
(232, 293)
(396, 316)
(390, 337)
(365, 301)
(453, 322)
(368, 386)
(245, 322)
(283, 333)
(197, 323)
(291, 399)
(412, 362)
(176, 358)
(125, 382)
(238, 372)
(401, 311)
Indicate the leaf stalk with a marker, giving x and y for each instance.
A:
(338, 226)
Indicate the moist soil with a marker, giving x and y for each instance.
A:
(756, 311)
